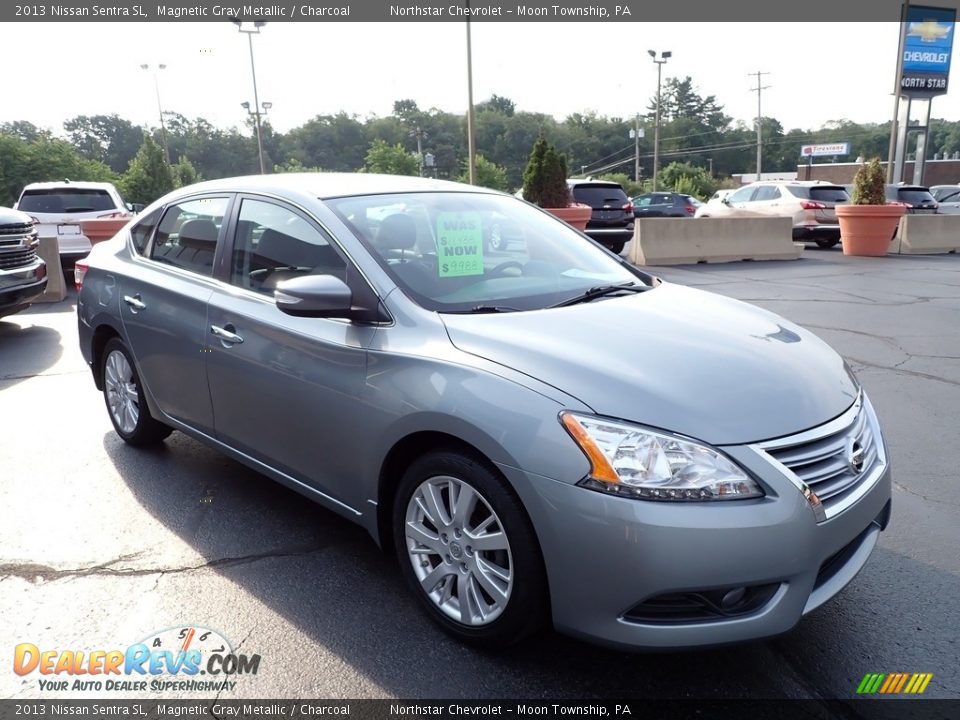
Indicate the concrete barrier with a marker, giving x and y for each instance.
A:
(927, 235)
(679, 241)
(56, 290)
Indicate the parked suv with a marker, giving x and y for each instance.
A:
(58, 208)
(23, 275)
(810, 204)
(665, 204)
(918, 199)
(611, 223)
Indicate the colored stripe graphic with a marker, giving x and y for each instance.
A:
(894, 683)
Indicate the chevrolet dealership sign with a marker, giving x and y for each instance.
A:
(928, 44)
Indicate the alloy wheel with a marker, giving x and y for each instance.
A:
(459, 550)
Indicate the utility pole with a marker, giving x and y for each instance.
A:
(759, 90)
(471, 137)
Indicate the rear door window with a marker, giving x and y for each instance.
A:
(767, 192)
(188, 234)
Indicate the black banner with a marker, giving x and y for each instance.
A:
(151, 709)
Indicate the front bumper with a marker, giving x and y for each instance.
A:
(606, 555)
(21, 286)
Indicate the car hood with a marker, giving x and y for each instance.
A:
(9, 216)
(674, 358)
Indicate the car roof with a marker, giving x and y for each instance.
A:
(332, 185)
(81, 184)
(800, 183)
(586, 181)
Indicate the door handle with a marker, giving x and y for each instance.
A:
(134, 302)
(226, 335)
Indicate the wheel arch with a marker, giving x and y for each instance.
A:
(98, 341)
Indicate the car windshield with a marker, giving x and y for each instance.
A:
(66, 200)
(439, 248)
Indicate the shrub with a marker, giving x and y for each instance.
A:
(545, 177)
(869, 184)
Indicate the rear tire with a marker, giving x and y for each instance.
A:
(123, 395)
(616, 248)
(447, 506)
(826, 244)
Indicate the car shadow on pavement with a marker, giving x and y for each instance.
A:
(324, 575)
(26, 351)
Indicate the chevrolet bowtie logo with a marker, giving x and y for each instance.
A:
(929, 30)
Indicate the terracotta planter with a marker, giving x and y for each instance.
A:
(576, 216)
(867, 229)
(100, 229)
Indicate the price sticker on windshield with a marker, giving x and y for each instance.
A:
(460, 238)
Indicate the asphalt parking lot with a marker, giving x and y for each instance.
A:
(103, 545)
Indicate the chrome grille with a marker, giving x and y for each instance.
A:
(17, 258)
(825, 458)
(16, 229)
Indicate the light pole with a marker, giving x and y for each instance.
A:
(264, 106)
(163, 127)
(656, 126)
(256, 99)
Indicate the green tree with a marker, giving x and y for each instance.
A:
(488, 174)
(498, 103)
(294, 166)
(184, 173)
(545, 178)
(107, 138)
(148, 177)
(694, 180)
(390, 160)
(631, 188)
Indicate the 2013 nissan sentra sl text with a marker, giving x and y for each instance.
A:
(540, 431)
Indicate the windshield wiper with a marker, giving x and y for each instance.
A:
(492, 309)
(600, 291)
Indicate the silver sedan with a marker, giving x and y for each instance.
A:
(542, 433)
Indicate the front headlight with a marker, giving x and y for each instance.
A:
(631, 461)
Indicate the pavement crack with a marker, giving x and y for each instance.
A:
(34, 572)
(902, 371)
(915, 493)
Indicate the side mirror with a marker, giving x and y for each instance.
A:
(135, 207)
(315, 296)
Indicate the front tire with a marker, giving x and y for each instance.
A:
(468, 551)
(616, 248)
(123, 395)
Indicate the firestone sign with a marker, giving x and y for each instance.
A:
(824, 150)
(926, 51)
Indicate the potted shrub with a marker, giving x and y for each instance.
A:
(545, 185)
(868, 222)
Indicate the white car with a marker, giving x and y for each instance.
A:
(58, 207)
(948, 197)
(809, 203)
(713, 206)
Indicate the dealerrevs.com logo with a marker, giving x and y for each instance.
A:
(192, 658)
